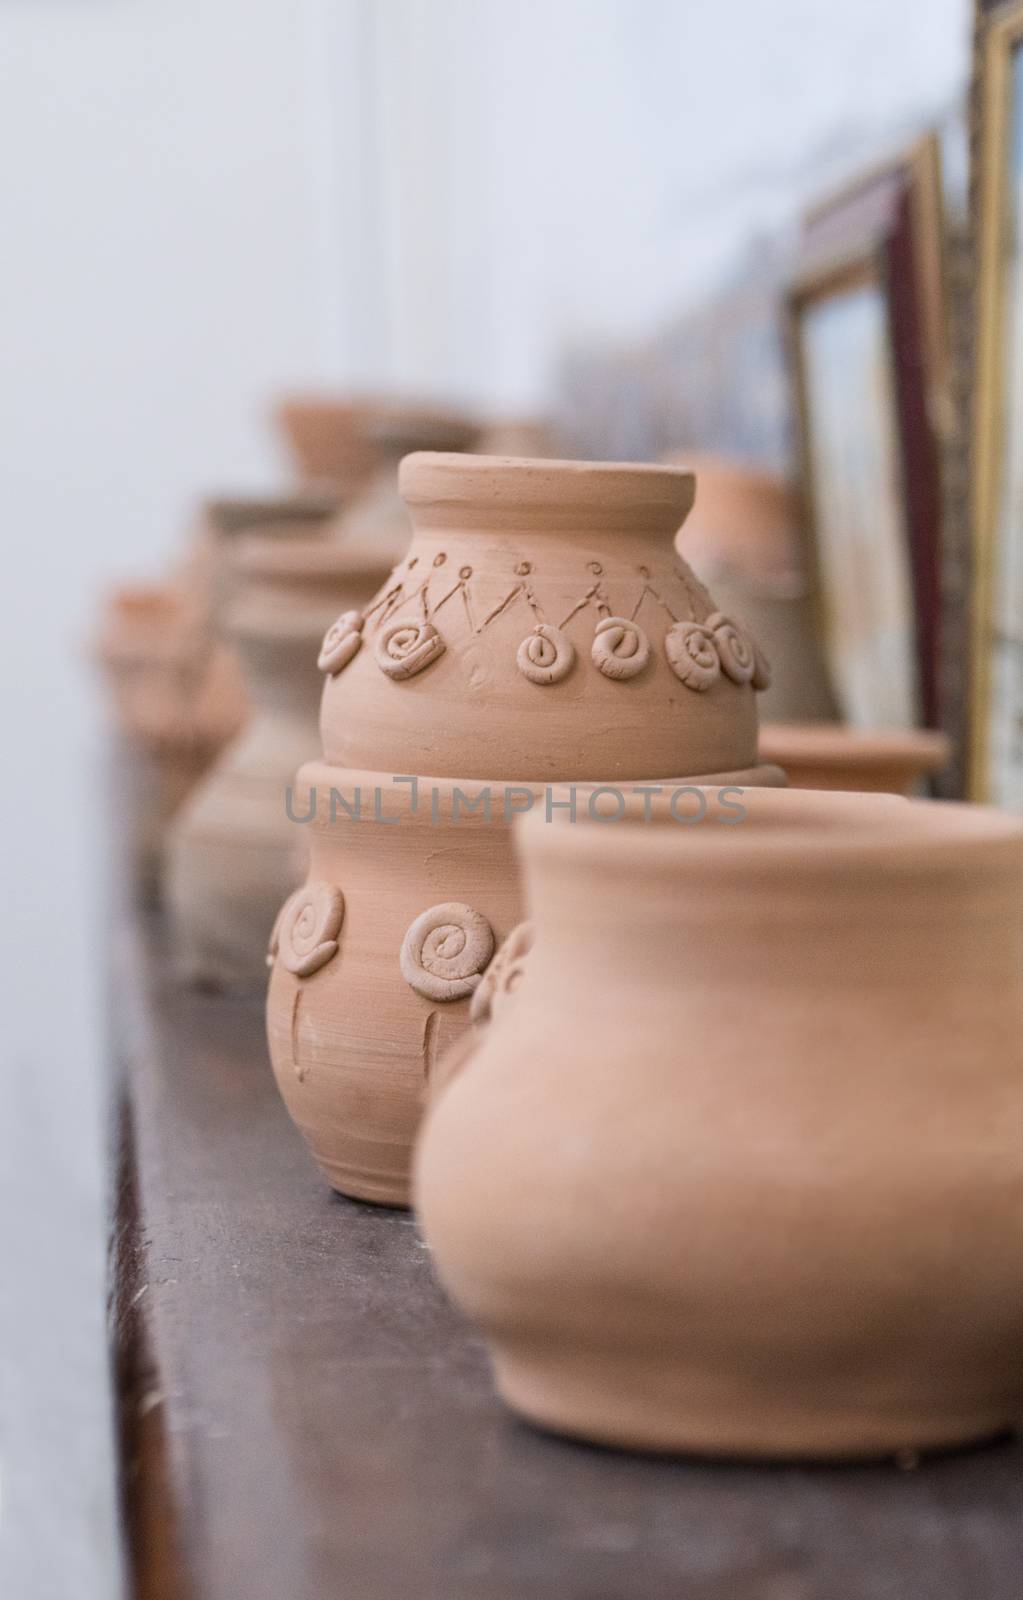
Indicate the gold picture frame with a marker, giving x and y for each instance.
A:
(1000, 41)
(874, 250)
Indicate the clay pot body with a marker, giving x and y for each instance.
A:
(234, 854)
(831, 756)
(523, 641)
(177, 700)
(742, 540)
(733, 1170)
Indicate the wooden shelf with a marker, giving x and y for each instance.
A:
(304, 1417)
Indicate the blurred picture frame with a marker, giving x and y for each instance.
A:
(868, 350)
(995, 762)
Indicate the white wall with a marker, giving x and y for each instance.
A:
(555, 170)
(203, 200)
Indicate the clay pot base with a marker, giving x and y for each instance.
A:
(624, 1404)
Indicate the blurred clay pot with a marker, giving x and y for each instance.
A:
(177, 700)
(299, 514)
(234, 853)
(733, 1170)
(329, 439)
(378, 519)
(540, 630)
(832, 756)
(532, 437)
(742, 539)
(542, 626)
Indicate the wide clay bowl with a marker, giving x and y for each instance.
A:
(735, 1166)
(542, 626)
(827, 755)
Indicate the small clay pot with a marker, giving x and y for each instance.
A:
(542, 626)
(831, 756)
(378, 519)
(177, 700)
(732, 1168)
(234, 854)
(742, 539)
(329, 439)
(541, 629)
(532, 437)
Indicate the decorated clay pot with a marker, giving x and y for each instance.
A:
(831, 756)
(732, 1168)
(540, 630)
(542, 626)
(234, 854)
(742, 539)
(177, 700)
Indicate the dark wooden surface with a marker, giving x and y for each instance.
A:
(305, 1417)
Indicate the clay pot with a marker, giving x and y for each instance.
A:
(540, 629)
(177, 700)
(234, 854)
(532, 437)
(378, 519)
(830, 756)
(299, 514)
(732, 1169)
(742, 539)
(329, 439)
(540, 605)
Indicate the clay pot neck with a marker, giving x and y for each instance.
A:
(486, 494)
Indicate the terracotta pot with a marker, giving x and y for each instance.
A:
(541, 604)
(829, 756)
(234, 854)
(378, 519)
(732, 1170)
(742, 539)
(177, 700)
(329, 439)
(540, 629)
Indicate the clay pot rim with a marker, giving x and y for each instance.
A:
(451, 490)
(920, 749)
(818, 832)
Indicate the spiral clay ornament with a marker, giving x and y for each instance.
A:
(692, 652)
(305, 934)
(446, 950)
(405, 648)
(735, 648)
(546, 655)
(620, 648)
(340, 642)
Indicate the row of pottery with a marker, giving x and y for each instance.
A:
(730, 1162)
(233, 853)
(541, 630)
(176, 698)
